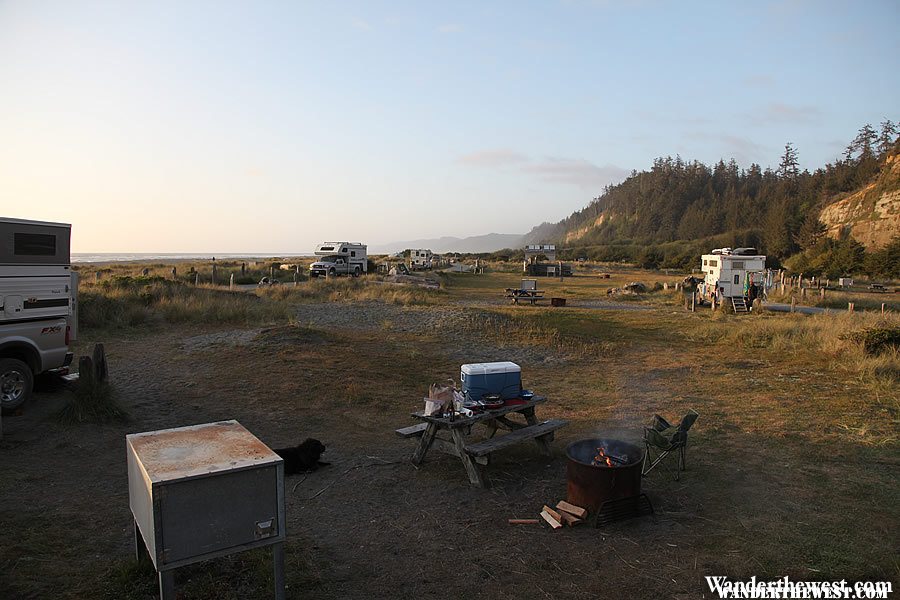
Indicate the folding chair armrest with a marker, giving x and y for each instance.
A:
(659, 424)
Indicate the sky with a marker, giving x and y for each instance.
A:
(267, 127)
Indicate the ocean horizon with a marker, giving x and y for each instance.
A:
(107, 257)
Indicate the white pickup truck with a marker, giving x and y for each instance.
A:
(339, 258)
(38, 305)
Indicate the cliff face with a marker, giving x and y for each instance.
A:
(871, 215)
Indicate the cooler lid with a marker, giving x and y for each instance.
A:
(489, 368)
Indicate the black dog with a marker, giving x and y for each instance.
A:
(302, 458)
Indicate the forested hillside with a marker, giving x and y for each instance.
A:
(669, 215)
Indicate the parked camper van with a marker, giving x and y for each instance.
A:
(38, 304)
(339, 258)
(420, 259)
(738, 275)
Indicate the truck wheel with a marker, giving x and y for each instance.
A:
(357, 272)
(16, 383)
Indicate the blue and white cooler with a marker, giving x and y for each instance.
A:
(504, 378)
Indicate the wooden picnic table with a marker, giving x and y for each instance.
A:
(475, 454)
(516, 294)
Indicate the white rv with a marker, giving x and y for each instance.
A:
(38, 304)
(421, 259)
(339, 258)
(734, 274)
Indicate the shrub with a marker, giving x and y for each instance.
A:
(878, 339)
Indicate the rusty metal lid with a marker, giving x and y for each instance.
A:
(197, 450)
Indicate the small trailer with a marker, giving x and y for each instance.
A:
(339, 258)
(38, 304)
(737, 276)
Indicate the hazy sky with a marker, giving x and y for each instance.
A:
(191, 126)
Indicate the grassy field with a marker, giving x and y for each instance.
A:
(792, 465)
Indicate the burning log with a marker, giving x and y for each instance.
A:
(602, 458)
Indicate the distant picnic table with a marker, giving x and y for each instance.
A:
(475, 454)
(519, 295)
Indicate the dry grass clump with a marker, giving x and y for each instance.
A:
(348, 289)
(838, 337)
(127, 302)
(92, 404)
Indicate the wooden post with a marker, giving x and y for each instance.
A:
(101, 368)
(96, 276)
(693, 300)
(214, 273)
(822, 293)
(882, 308)
(86, 373)
(793, 303)
(714, 303)
(271, 271)
(800, 281)
(850, 307)
(296, 278)
(243, 269)
(196, 277)
(560, 271)
(803, 292)
(174, 273)
(231, 282)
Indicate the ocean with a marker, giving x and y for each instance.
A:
(109, 257)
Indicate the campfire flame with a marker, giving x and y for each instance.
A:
(601, 458)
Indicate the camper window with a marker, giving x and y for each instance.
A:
(713, 263)
(326, 248)
(353, 253)
(34, 244)
(705, 262)
(737, 264)
(737, 279)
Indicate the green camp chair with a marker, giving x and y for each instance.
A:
(662, 438)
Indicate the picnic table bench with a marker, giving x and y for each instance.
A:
(517, 295)
(475, 454)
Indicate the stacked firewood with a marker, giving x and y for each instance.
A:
(564, 514)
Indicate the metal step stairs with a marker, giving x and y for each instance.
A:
(740, 306)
